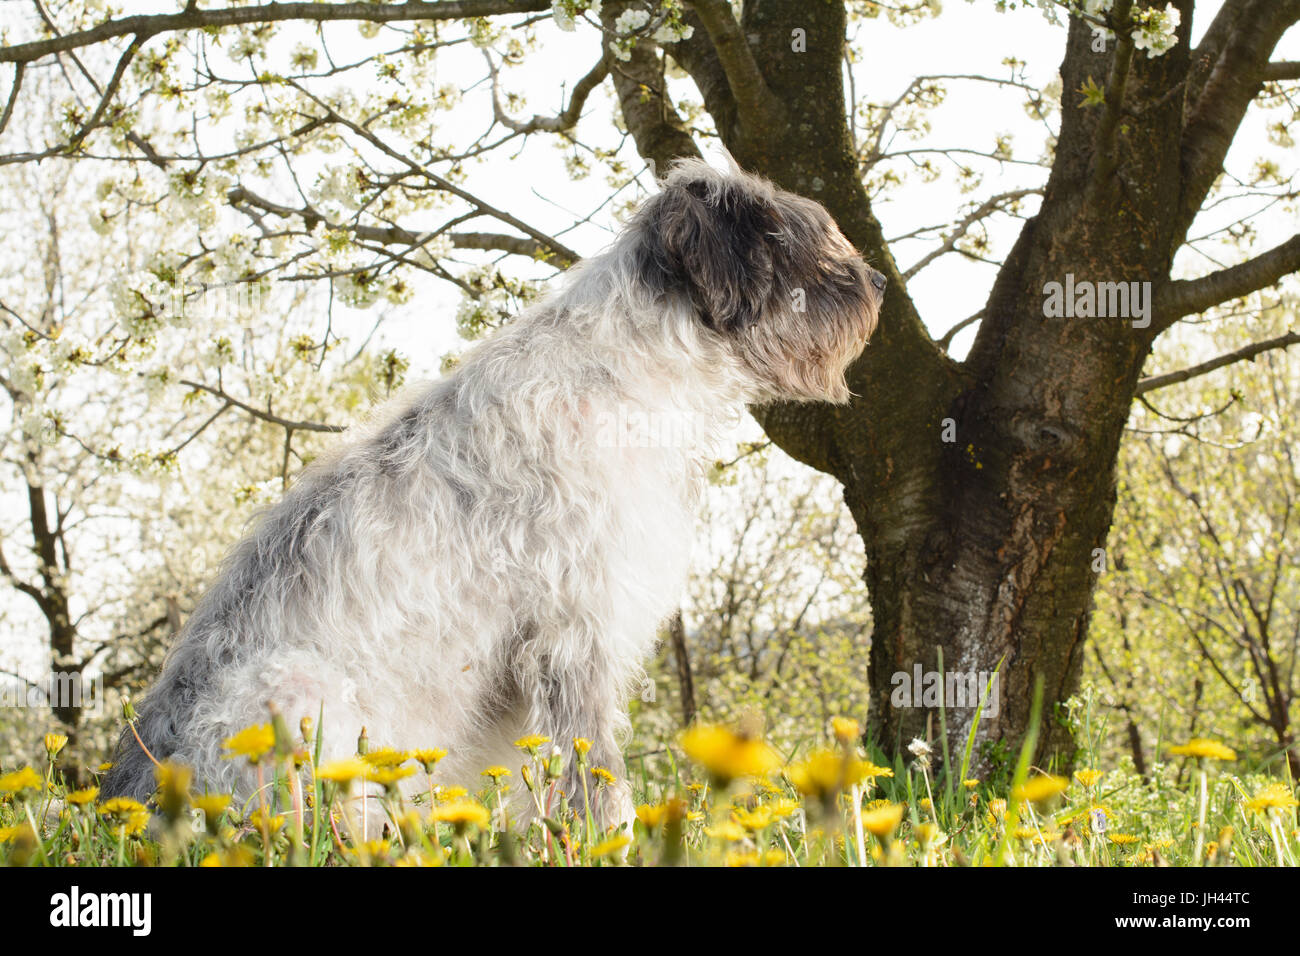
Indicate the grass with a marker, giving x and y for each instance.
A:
(721, 797)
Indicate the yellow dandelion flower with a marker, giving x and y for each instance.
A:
(845, 729)
(386, 757)
(651, 815)
(212, 805)
(757, 819)
(1204, 748)
(1041, 837)
(928, 834)
(388, 777)
(821, 773)
(54, 743)
(462, 813)
(342, 771)
(783, 807)
(121, 805)
(448, 794)
(1041, 788)
(234, 856)
(273, 822)
(997, 808)
(774, 858)
(20, 780)
(126, 814)
(1275, 796)
(728, 830)
(884, 820)
(1122, 839)
(612, 845)
(496, 773)
(80, 798)
(738, 858)
(728, 755)
(582, 747)
(373, 848)
(173, 788)
(970, 784)
(22, 833)
(428, 758)
(1089, 778)
(253, 743)
(532, 743)
(825, 772)
(603, 776)
(1150, 849)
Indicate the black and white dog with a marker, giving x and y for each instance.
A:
(494, 557)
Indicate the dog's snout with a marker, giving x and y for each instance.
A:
(878, 280)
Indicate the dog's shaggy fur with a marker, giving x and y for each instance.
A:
(494, 558)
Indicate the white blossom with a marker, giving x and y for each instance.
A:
(630, 21)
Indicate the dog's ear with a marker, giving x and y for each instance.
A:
(711, 238)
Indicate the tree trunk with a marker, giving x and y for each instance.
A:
(682, 658)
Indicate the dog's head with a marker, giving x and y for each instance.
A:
(766, 270)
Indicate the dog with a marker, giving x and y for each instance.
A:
(495, 555)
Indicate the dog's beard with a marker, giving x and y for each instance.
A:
(804, 356)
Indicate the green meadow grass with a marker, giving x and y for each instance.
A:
(717, 796)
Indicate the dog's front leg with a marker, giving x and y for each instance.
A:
(579, 701)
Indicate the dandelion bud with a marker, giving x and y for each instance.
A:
(53, 744)
(363, 743)
(555, 765)
(128, 709)
(173, 789)
(305, 728)
(283, 742)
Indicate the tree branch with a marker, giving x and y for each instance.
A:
(697, 57)
(563, 121)
(948, 336)
(655, 125)
(553, 245)
(1106, 149)
(982, 211)
(146, 26)
(266, 416)
(1234, 82)
(1191, 296)
(1282, 70)
(1240, 355)
(19, 69)
(758, 105)
(245, 200)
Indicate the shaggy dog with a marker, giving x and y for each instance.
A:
(496, 556)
